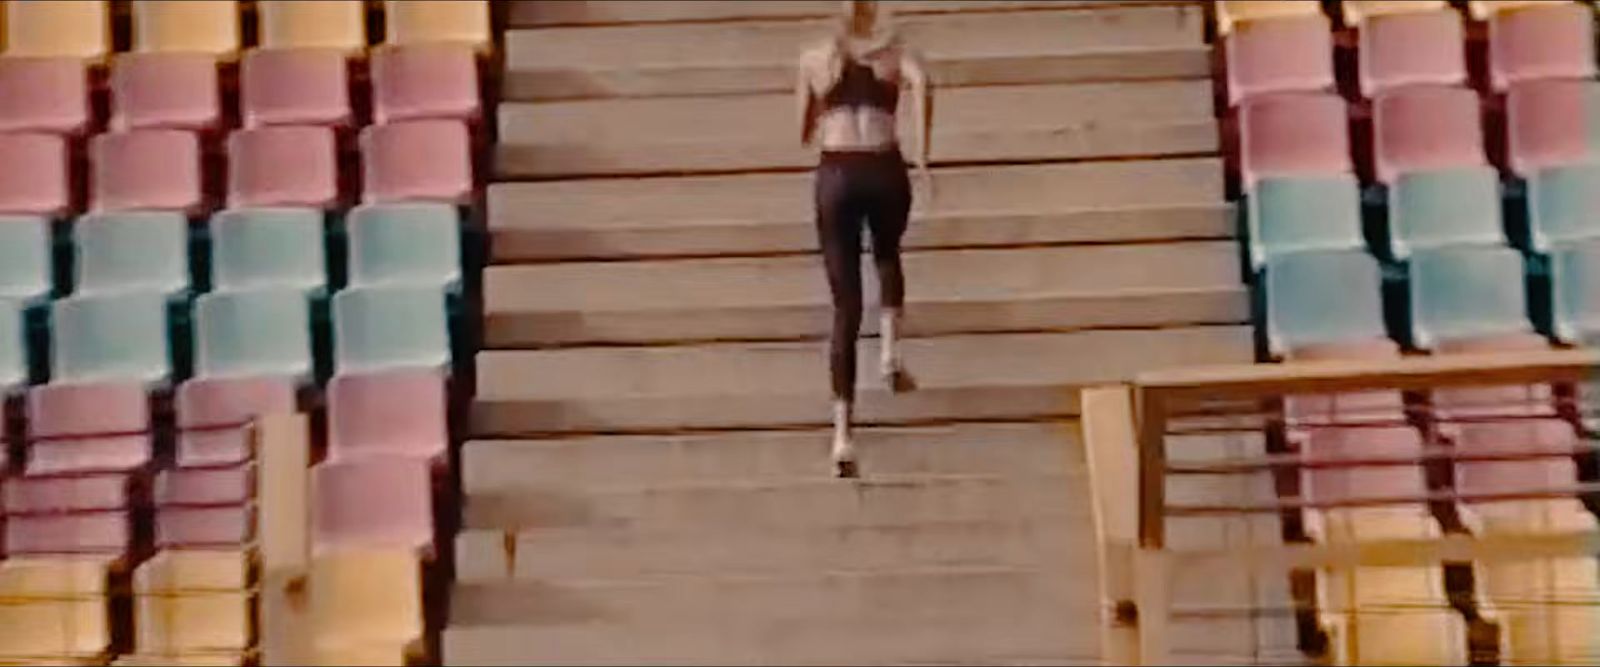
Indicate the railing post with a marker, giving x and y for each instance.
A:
(283, 532)
(1112, 457)
(1152, 468)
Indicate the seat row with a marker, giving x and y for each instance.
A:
(1424, 45)
(82, 28)
(276, 87)
(1549, 123)
(274, 166)
(249, 248)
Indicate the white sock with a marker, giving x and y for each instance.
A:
(889, 336)
(841, 426)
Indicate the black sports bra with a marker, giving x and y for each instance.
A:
(859, 86)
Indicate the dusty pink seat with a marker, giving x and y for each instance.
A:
(1294, 134)
(375, 501)
(1283, 54)
(1409, 49)
(122, 178)
(165, 90)
(1552, 123)
(86, 427)
(202, 526)
(1365, 482)
(33, 174)
(424, 160)
(294, 87)
(1453, 403)
(282, 166)
(1511, 437)
(1426, 127)
(216, 405)
(424, 80)
(1370, 406)
(205, 486)
(43, 95)
(1555, 41)
(39, 495)
(399, 413)
(89, 532)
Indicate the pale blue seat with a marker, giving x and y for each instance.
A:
(110, 336)
(260, 332)
(132, 251)
(13, 348)
(268, 247)
(1575, 287)
(413, 242)
(1466, 292)
(25, 257)
(1321, 297)
(1296, 213)
(1563, 205)
(390, 326)
(1454, 206)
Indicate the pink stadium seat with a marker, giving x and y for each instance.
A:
(429, 80)
(89, 532)
(1328, 408)
(44, 495)
(81, 427)
(33, 174)
(165, 90)
(1552, 123)
(1512, 437)
(122, 179)
(1426, 127)
(43, 95)
(205, 486)
(1550, 41)
(1367, 482)
(203, 526)
(1501, 401)
(294, 87)
(398, 413)
(424, 160)
(1294, 133)
(224, 402)
(1292, 53)
(377, 501)
(1412, 48)
(282, 166)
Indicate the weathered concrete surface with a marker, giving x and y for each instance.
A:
(744, 132)
(1123, 43)
(1095, 202)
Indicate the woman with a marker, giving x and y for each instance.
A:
(848, 94)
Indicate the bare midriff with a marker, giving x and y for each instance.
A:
(856, 129)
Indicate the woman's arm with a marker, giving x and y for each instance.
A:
(805, 101)
(921, 104)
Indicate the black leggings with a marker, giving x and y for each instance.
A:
(852, 189)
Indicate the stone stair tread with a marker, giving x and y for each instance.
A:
(531, 13)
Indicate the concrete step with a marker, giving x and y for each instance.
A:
(821, 504)
(887, 639)
(773, 213)
(787, 298)
(575, 553)
(756, 385)
(1117, 43)
(534, 13)
(766, 619)
(744, 132)
(1016, 449)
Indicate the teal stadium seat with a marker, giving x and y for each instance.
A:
(132, 250)
(1295, 213)
(1321, 297)
(1563, 205)
(260, 332)
(390, 326)
(1444, 207)
(1575, 286)
(405, 243)
(111, 336)
(13, 346)
(268, 247)
(1466, 292)
(25, 252)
